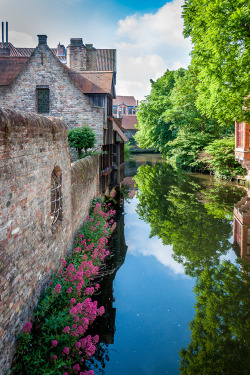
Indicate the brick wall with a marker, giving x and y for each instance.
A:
(85, 184)
(66, 99)
(31, 146)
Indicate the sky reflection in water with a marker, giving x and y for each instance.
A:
(154, 303)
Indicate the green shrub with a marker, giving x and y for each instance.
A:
(81, 138)
(127, 151)
(185, 149)
(221, 159)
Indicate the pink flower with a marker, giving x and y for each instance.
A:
(65, 350)
(57, 289)
(54, 343)
(65, 373)
(66, 329)
(69, 290)
(78, 345)
(54, 357)
(27, 327)
(96, 339)
(76, 368)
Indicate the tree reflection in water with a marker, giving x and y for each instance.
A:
(195, 218)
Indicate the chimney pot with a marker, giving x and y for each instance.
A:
(2, 34)
(42, 39)
(76, 41)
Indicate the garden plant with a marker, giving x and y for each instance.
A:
(57, 341)
(81, 138)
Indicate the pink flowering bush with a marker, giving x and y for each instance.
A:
(58, 341)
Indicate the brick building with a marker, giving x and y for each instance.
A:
(242, 145)
(124, 108)
(76, 83)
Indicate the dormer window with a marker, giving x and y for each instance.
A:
(42, 94)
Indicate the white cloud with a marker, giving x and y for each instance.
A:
(21, 39)
(164, 26)
(147, 45)
(138, 241)
(134, 73)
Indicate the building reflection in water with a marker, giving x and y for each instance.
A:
(241, 228)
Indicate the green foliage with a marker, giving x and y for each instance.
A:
(174, 204)
(220, 341)
(185, 149)
(154, 128)
(220, 34)
(170, 122)
(127, 151)
(125, 189)
(132, 141)
(81, 138)
(221, 159)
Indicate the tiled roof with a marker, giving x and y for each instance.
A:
(16, 52)
(106, 60)
(128, 122)
(93, 82)
(119, 131)
(9, 68)
(127, 100)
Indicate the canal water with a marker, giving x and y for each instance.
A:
(174, 299)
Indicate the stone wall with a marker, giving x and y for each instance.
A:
(31, 147)
(43, 69)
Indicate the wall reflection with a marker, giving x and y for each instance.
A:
(241, 228)
(104, 326)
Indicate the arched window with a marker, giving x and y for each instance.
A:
(56, 195)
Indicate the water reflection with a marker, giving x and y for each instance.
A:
(241, 228)
(105, 325)
(195, 220)
(187, 215)
(185, 228)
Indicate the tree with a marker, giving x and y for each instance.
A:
(154, 129)
(81, 138)
(220, 33)
(220, 339)
(170, 121)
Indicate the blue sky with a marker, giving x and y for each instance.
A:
(147, 34)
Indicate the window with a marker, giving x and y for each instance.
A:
(130, 110)
(56, 196)
(239, 135)
(42, 100)
(124, 110)
(114, 109)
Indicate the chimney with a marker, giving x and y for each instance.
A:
(5, 51)
(42, 39)
(91, 57)
(7, 35)
(60, 50)
(77, 55)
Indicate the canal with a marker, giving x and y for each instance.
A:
(175, 298)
